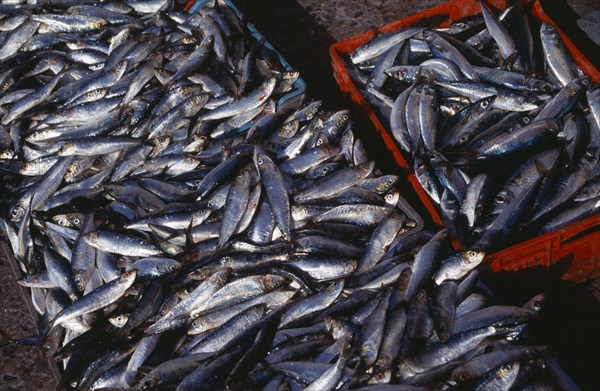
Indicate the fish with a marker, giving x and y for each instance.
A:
(185, 219)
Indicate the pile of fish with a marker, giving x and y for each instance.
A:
(181, 225)
(500, 125)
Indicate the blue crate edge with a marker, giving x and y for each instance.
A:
(299, 85)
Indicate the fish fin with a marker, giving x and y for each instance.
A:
(425, 76)
(189, 240)
(171, 233)
(510, 61)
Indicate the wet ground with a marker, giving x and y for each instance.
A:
(303, 31)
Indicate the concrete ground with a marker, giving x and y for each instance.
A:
(303, 31)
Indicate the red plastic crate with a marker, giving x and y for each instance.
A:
(578, 242)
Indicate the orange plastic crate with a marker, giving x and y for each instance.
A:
(577, 244)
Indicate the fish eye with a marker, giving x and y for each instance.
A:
(172, 268)
(463, 139)
(76, 221)
(126, 275)
(500, 198)
(345, 117)
(259, 161)
(485, 104)
(545, 88)
(319, 141)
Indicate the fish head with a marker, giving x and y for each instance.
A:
(536, 303)
(200, 138)
(460, 375)
(191, 160)
(341, 117)
(128, 277)
(487, 102)
(403, 371)
(161, 141)
(262, 161)
(387, 184)
(381, 377)
(171, 266)
(472, 258)
(289, 75)
(271, 282)
(332, 324)
(98, 24)
(197, 326)
(91, 237)
(67, 150)
(72, 169)
(289, 129)
(199, 100)
(396, 72)
(321, 171)
(119, 320)
(48, 350)
(222, 276)
(188, 40)
(18, 212)
(392, 198)
(462, 26)
(79, 282)
(428, 36)
(321, 139)
(149, 382)
(57, 64)
(508, 370)
(62, 220)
